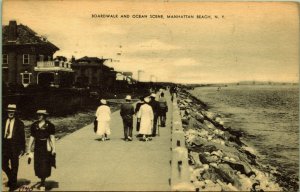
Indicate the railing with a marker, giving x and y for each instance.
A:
(50, 64)
(180, 176)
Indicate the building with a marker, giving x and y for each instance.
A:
(128, 77)
(93, 72)
(141, 76)
(28, 59)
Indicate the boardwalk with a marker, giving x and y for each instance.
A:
(86, 164)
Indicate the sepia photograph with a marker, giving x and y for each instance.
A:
(157, 95)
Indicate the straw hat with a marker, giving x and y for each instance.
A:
(128, 97)
(103, 101)
(11, 107)
(42, 112)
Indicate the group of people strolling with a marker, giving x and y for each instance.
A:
(42, 134)
(148, 111)
(42, 142)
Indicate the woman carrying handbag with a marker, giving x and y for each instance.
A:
(43, 138)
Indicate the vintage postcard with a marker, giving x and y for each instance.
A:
(150, 95)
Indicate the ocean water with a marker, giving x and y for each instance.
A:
(267, 114)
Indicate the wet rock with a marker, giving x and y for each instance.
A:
(235, 139)
(187, 112)
(182, 106)
(241, 167)
(210, 115)
(205, 166)
(195, 158)
(203, 159)
(246, 183)
(226, 173)
(185, 121)
(197, 141)
(218, 132)
(193, 124)
(217, 153)
(208, 158)
(219, 141)
(219, 121)
(205, 148)
(209, 148)
(251, 157)
(209, 124)
(182, 113)
(188, 100)
(199, 117)
(210, 174)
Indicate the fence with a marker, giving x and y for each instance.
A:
(180, 174)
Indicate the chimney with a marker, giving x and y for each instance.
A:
(12, 31)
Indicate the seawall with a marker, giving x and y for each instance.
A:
(218, 159)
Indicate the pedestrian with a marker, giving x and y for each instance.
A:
(137, 108)
(103, 117)
(127, 112)
(146, 115)
(155, 107)
(42, 136)
(163, 109)
(13, 145)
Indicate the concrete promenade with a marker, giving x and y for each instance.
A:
(84, 163)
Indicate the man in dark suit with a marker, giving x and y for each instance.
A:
(127, 112)
(13, 145)
(155, 107)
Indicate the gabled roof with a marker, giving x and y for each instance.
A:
(92, 61)
(25, 35)
(127, 73)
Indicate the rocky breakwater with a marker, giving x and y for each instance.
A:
(219, 160)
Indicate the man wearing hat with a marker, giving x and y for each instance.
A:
(13, 145)
(155, 107)
(127, 112)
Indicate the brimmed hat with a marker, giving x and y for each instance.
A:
(11, 107)
(147, 99)
(103, 101)
(42, 112)
(153, 95)
(128, 97)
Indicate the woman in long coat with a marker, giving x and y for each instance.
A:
(146, 115)
(43, 137)
(103, 117)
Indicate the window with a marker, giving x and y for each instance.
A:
(26, 78)
(26, 59)
(41, 57)
(4, 59)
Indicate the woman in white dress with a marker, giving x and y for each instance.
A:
(146, 115)
(103, 117)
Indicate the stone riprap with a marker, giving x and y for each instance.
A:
(219, 160)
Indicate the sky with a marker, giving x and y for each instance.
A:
(247, 42)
